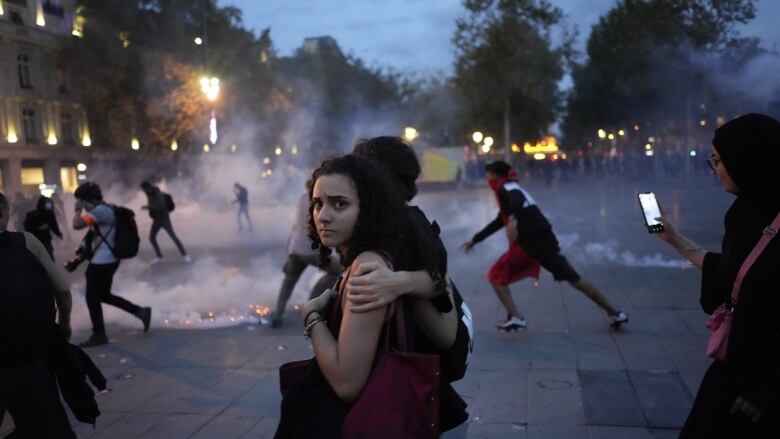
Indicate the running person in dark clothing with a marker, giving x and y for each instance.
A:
(42, 223)
(242, 198)
(161, 219)
(91, 211)
(528, 227)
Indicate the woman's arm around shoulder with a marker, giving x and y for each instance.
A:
(346, 362)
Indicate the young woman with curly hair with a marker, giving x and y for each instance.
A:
(355, 210)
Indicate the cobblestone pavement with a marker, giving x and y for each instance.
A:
(568, 376)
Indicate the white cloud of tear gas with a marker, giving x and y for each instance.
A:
(209, 293)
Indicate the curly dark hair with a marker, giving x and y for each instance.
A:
(382, 220)
(397, 157)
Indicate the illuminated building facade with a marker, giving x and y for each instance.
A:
(43, 128)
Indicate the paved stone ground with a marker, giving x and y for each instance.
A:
(568, 376)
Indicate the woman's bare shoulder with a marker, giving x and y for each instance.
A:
(370, 256)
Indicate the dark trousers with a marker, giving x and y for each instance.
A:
(99, 279)
(164, 222)
(293, 269)
(29, 392)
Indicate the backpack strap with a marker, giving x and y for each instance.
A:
(769, 232)
(103, 238)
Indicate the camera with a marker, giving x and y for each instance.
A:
(74, 263)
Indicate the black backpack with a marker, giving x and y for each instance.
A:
(126, 239)
(169, 204)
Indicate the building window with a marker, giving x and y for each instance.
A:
(32, 176)
(68, 130)
(53, 7)
(16, 18)
(30, 125)
(24, 71)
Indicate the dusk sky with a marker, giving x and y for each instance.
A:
(415, 35)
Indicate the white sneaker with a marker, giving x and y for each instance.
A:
(618, 319)
(187, 259)
(512, 324)
(156, 260)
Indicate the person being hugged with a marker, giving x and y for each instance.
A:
(355, 210)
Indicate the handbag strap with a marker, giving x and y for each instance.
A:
(769, 233)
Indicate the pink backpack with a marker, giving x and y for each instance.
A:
(720, 321)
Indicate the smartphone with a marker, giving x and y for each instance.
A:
(651, 211)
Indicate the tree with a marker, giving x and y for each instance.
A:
(141, 72)
(507, 70)
(650, 63)
(337, 99)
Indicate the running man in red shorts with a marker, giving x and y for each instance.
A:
(532, 243)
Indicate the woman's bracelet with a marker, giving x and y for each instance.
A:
(310, 326)
(308, 314)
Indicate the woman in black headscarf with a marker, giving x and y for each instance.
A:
(739, 397)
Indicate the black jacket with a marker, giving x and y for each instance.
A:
(514, 201)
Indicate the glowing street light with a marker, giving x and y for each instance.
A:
(210, 87)
(81, 167)
(411, 133)
(206, 147)
(611, 136)
(486, 148)
(174, 145)
(621, 133)
(488, 141)
(602, 134)
(266, 160)
(213, 128)
(294, 150)
(135, 145)
(477, 137)
(278, 150)
(198, 41)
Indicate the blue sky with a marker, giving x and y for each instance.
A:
(415, 35)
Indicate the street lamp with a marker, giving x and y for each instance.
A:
(210, 87)
(411, 133)
(198, 41)
(488, 142)
(602, 134)
(134, 144)
(477, 137)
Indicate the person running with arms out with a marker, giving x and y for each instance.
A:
(527, 226)
(160, 212)
(92, 212)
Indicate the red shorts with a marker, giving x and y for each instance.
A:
(513, 266)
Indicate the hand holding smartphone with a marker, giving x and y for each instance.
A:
(651, 211)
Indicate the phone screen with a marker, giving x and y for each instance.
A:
(651, 211)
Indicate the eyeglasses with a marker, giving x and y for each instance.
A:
(713, 162)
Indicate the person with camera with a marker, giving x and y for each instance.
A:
(92, 212)
(160, 206)
(31, 287)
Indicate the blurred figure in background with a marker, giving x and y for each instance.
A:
(242, 198)
(59, 213)
(42, 223)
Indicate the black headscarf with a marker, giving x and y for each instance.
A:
(749, 147)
